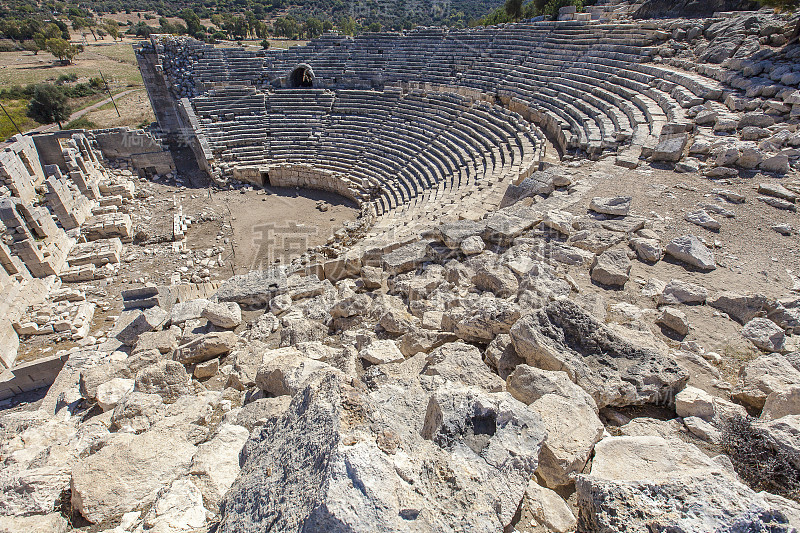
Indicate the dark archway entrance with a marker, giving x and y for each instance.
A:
(302, 76)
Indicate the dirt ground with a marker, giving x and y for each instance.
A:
(134, 109)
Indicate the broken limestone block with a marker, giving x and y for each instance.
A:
(690, 250)
(674, 319)
(127, 473)
(206, 347)
(612, 369)
(765, 334)
(612, 268)
(381, 352)
(618, 205)
(110, 392)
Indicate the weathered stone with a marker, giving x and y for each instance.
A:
(49, 523)
(765, 334)
(497, 279)
(206, 370)
(462, 363)
(226, 315)
(254, 289)
(206, 347)
(670, 147)
(215, 465)
(782, 402)
(674, 319)
(573, 428)
(136, 412)
(501, 355)
(618, 205)
(638, 483)
(482, 320)
(612, 268)
(561, 221)
(455, 233)
(178, 507)
(702, 219)
(472, 245)
(694, 402)
(144, 322)
(168, 379)
(110, 392)
(381, 352)
(778, 191)
(543, 511)
(527, 384)
(690, 250)
(648, 250)
(762, 376)
(128, 473)
(563, 336)
(184, 311)
(406, 258)
(682, 292)
(740, 307)
(286, 371)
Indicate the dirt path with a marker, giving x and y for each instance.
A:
(78, 114)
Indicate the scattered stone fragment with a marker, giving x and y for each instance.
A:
(765, 334)
(612, 268)
(690, 250)
(675, 320)
(618, 205)
(702, 219)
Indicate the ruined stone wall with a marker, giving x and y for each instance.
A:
(139, 148)
(304, 176)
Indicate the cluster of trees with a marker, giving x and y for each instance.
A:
(515, 10)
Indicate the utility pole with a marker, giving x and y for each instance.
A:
(9, 118)
(109, 92)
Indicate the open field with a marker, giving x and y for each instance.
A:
(115, 60)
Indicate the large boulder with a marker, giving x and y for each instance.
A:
(168, 379)
(338, 460)
(765, 334)
(128, 473)
(178, 507)
(761, 377)
(205, 347)
(216, 463)
(254, 289)
(287, 371)
(614, 371)
(462, 363)
(653, 484)
(573, 428)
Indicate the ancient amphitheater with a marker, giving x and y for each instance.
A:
(568, 299)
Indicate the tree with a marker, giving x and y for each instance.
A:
(514, 8)
(192, 21)
(112, 28)
(49, 104)
(782, 5)
(31, 46)
(63, 50)
(312, 27)
(265, 44)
